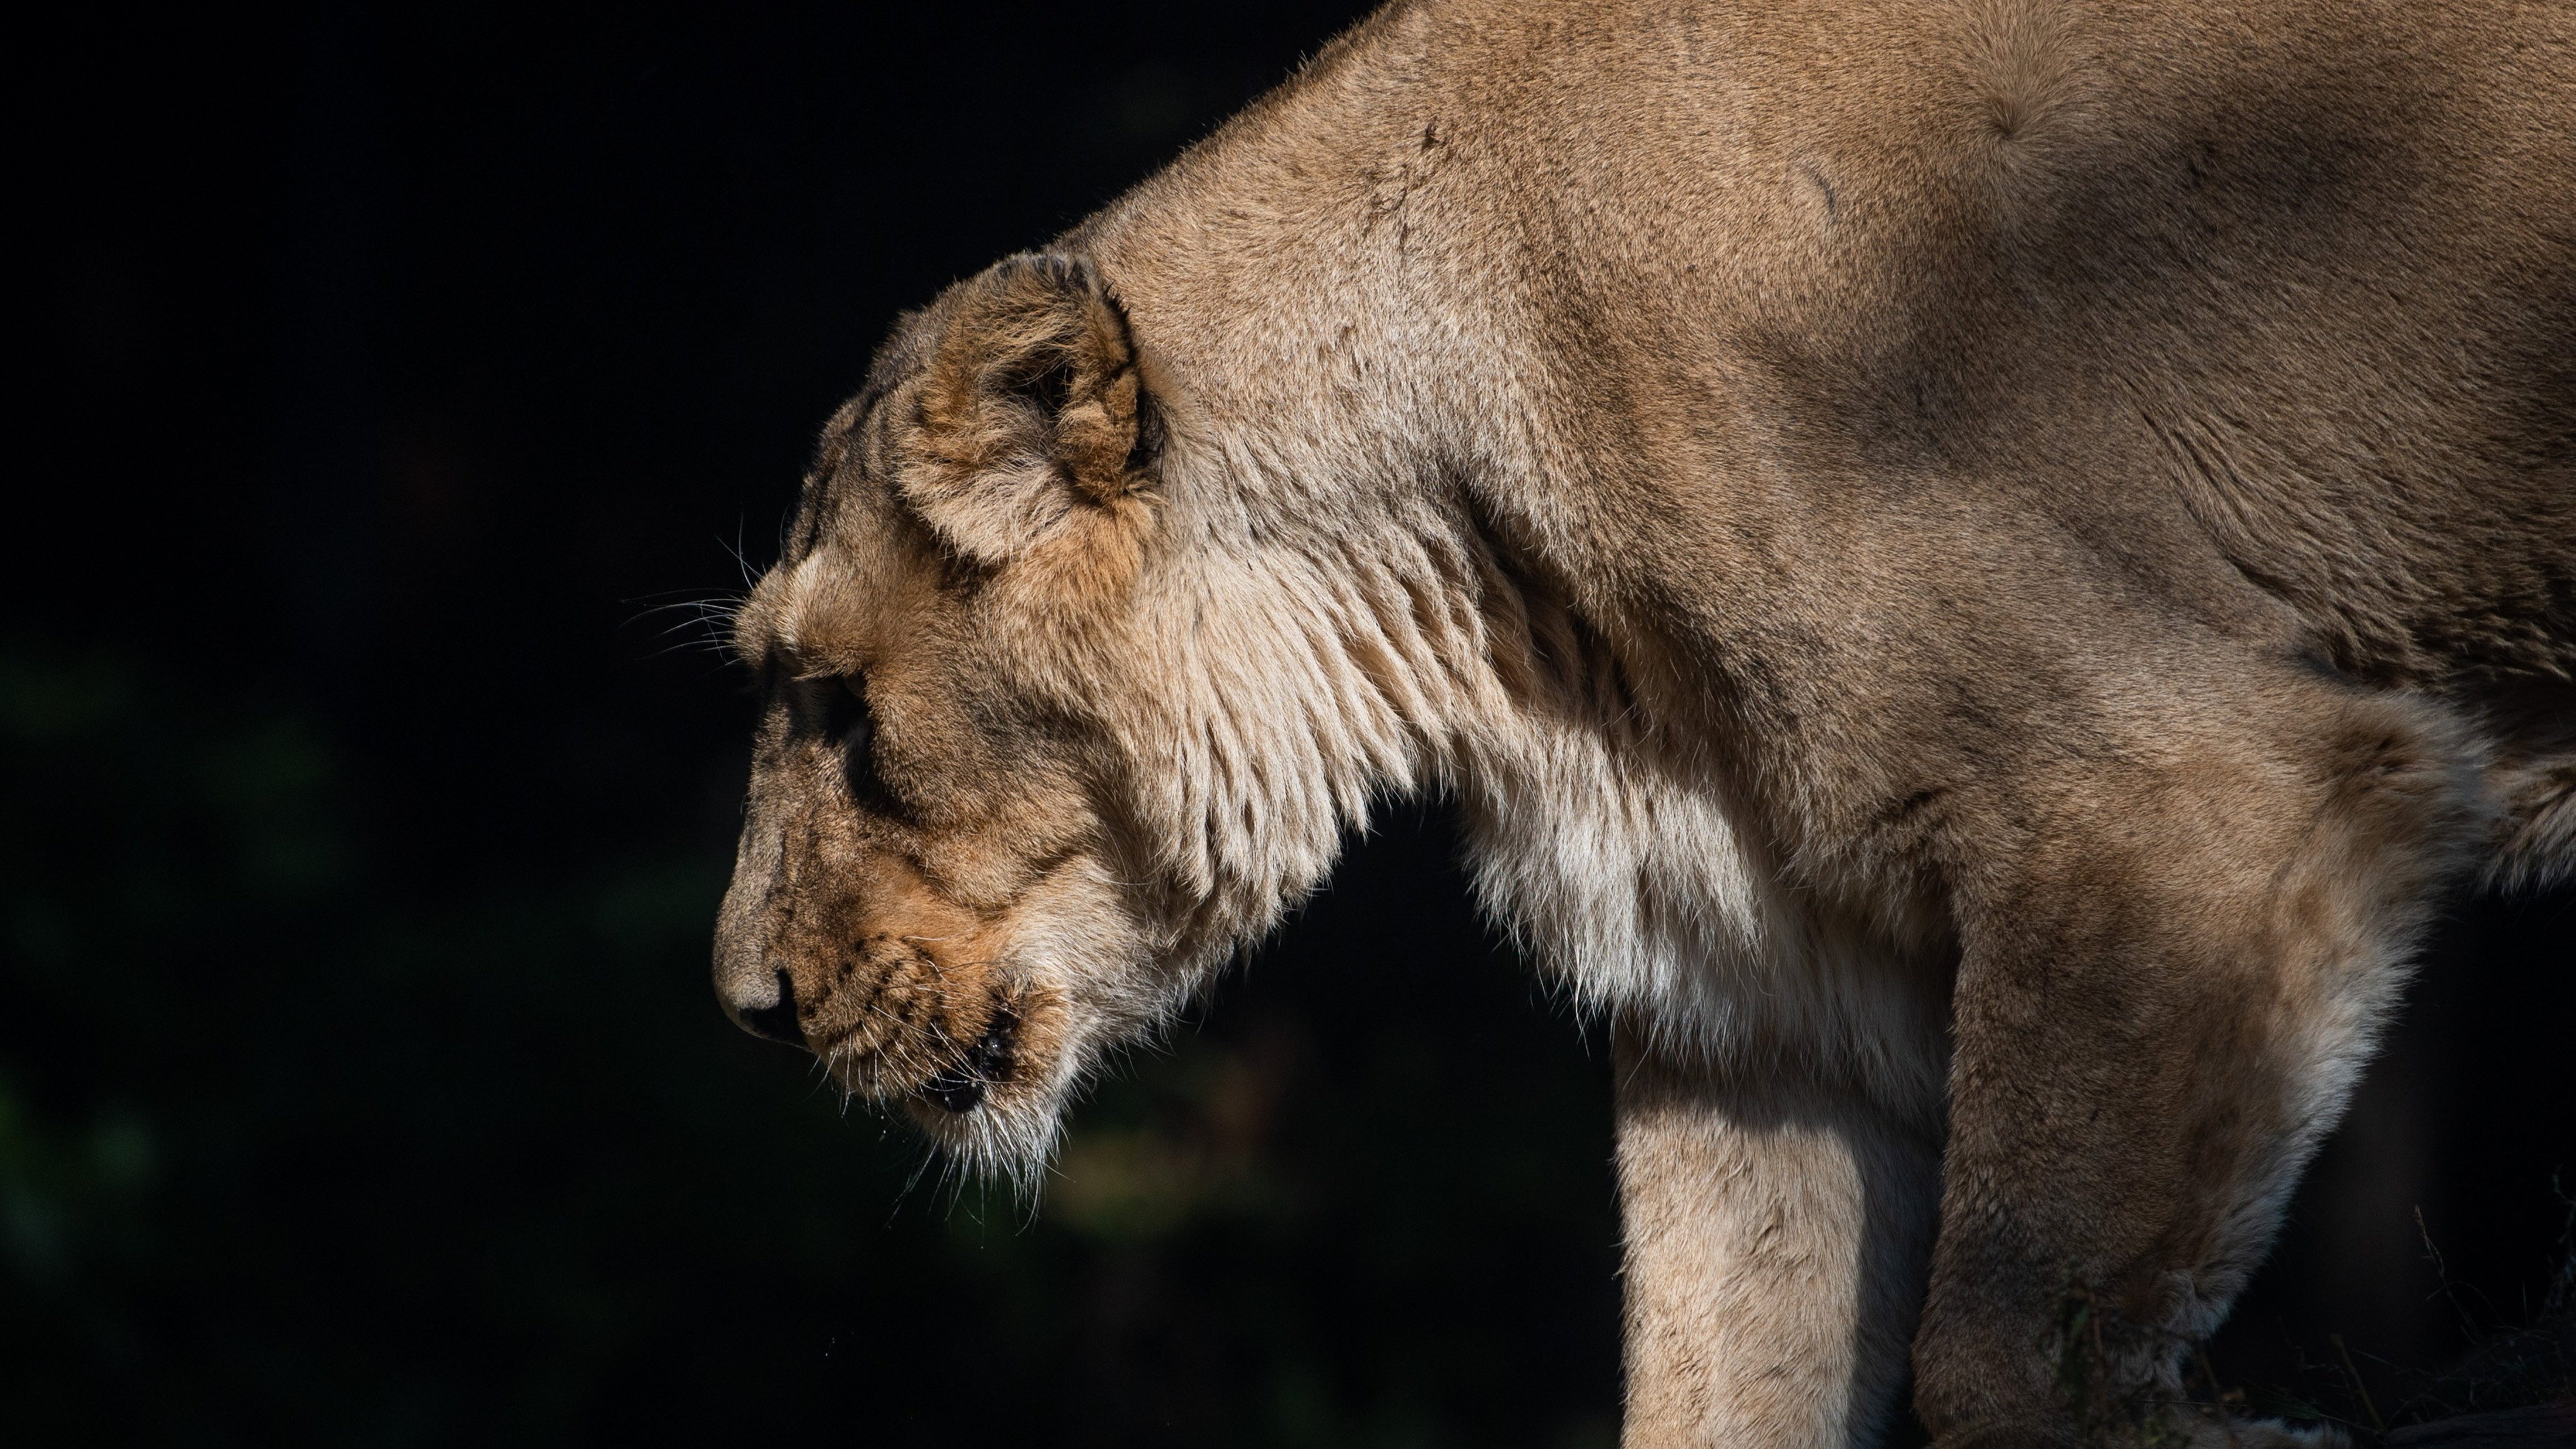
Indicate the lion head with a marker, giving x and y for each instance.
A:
(1020, 784)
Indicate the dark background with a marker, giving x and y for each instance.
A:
(382, 373)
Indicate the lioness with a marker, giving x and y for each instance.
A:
(1977, 569)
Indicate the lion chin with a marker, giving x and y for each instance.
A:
(994, 1106)
(1007, 1137)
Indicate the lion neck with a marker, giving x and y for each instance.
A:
(1375, 579)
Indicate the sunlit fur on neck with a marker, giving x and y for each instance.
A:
(1292, 677)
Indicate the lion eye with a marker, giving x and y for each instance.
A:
(839, 710)
(845, 720)
(835, 708)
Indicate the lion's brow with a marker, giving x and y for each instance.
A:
(768, 656)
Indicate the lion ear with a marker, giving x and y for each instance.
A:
(1031, 410)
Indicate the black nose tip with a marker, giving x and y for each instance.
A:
(777, 1023)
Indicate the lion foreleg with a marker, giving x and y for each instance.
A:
(2161, 1007)
(1777, 1233)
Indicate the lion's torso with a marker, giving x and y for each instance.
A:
(1904, 388)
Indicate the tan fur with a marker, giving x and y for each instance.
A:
(1976, 569)
(1777, 1236)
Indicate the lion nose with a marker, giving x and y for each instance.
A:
(774, 1019)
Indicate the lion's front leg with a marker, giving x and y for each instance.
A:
(2161, 1006)
(1777, 1238)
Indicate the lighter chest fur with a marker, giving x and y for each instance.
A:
(1312, 679)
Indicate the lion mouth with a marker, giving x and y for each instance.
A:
(960, 1089)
